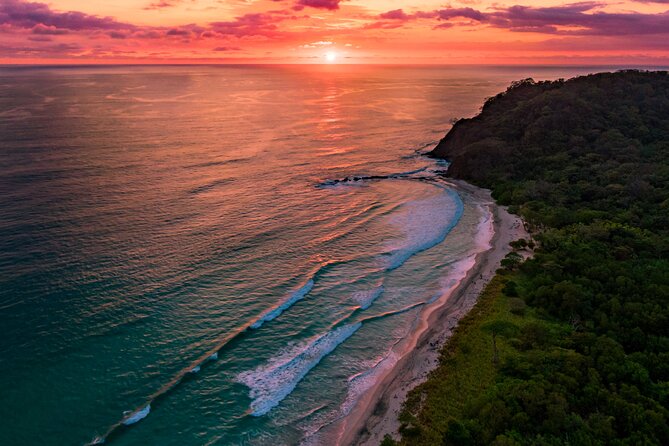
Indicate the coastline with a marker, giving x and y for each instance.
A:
(375, 413)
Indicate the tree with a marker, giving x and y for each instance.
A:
(512, 261)
(499, 328)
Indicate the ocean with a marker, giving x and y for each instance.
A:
(221, 255)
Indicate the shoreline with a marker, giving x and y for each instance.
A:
(376, 413)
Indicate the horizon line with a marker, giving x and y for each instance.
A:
(325, 64)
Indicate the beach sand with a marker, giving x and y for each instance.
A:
(375, 414)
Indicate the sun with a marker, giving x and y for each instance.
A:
(330, 56)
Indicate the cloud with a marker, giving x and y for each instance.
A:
(582, 19)
(226, 48)
(36, 30)
(577, 19)
(320, 43)
(319, 4)
(395, 14)
(41, 19)
(397, 17)
(160, 5)
(52, 50)
(32, 29)
(47, 30)
(467, 13)
(179, 32)
(40, 39)
(253, 24)
(23, 14)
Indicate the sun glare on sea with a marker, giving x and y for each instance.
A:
(330, 56)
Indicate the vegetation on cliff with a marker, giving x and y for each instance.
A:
(586, 163)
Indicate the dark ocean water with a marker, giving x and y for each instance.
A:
(173, 256)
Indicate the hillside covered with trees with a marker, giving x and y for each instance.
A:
(581, 331)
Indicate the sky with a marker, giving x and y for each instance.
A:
(630, 32)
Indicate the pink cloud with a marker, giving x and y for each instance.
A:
(226, 48)
(254, 24)
(32, 29)
(23, 14)
(319, 4)
(549, 20)
(48, 30)
(395, 14)
(160, 5)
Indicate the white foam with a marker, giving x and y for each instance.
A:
(271, 383)
(425, 223)
(137, 416)
(366, 298)
(96, 440)
(294, 297)
(359, 384)
(457, 273)
(482, 241)
(485, 229)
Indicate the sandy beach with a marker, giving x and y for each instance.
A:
(375, 414)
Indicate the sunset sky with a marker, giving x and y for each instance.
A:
(335, 31)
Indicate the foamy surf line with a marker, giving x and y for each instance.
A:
(324, 345)
(358, 385)
(427, 223)
(292, 299)
(365, 299)
(271, 383)
(452, 300)
(132, 417)
(425, 215)
(364, 381)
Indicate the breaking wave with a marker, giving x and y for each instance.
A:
(425, 223)
(292, 299)
(273, 382)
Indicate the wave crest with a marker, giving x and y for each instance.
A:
(292, 299)
(271, 383)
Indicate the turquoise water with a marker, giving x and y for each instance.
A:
(177, 265)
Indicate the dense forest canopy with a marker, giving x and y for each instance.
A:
(586, 163)
(572, 151)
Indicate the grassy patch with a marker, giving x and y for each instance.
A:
(466, 368)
